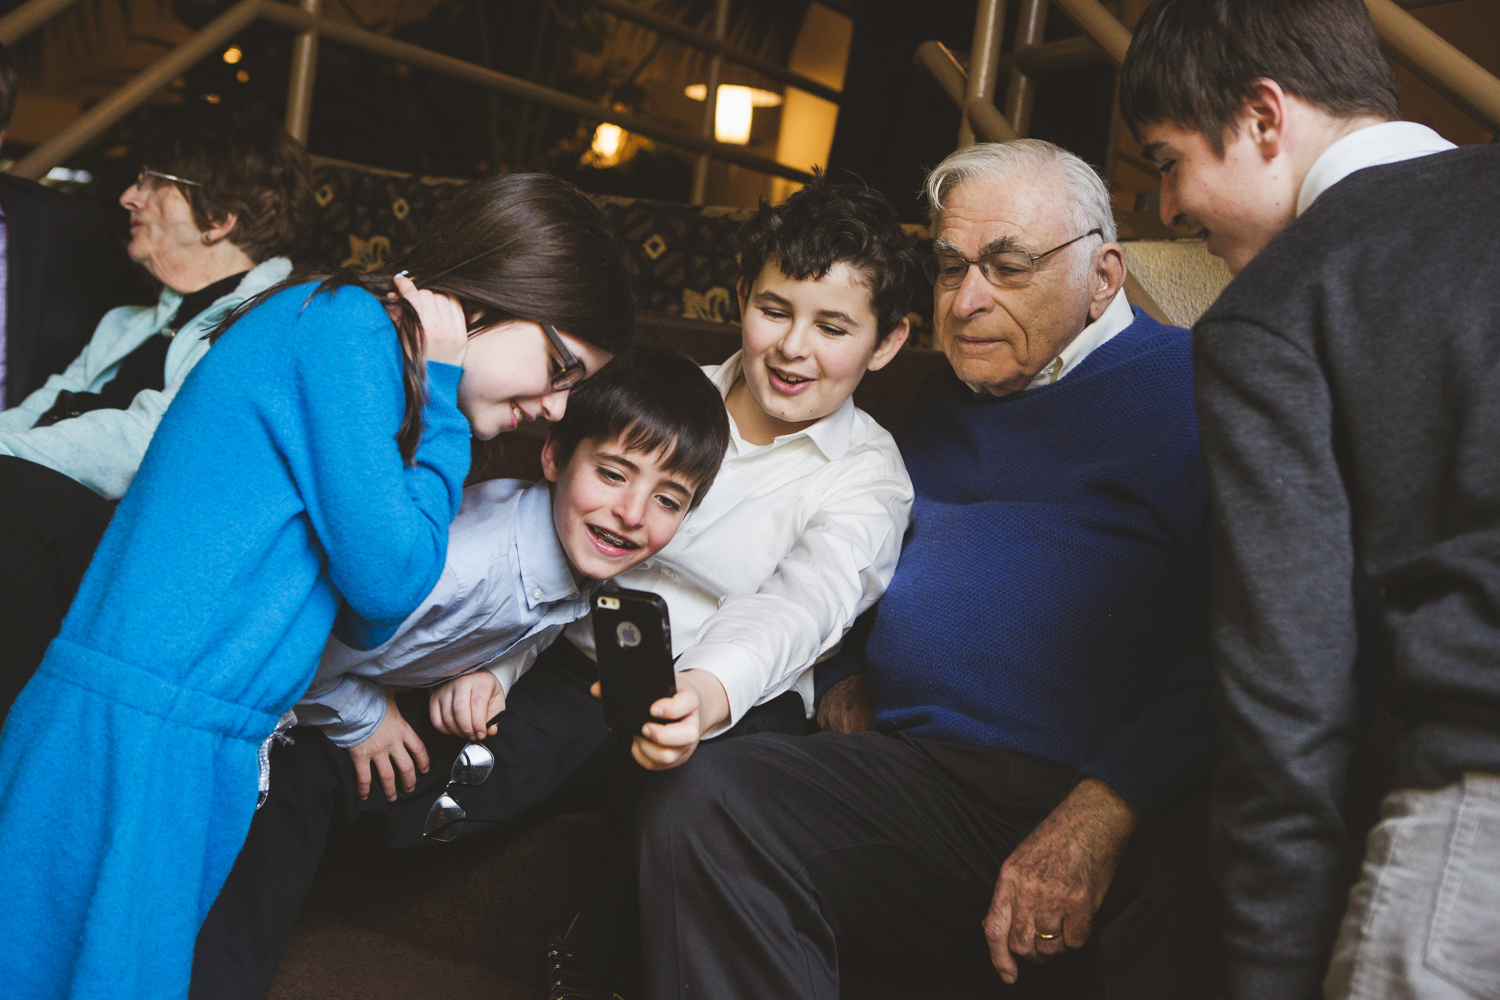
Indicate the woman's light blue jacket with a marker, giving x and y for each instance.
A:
(102, 448)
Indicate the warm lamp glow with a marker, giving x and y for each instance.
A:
(732, 115)
(233, 55)
(609, 140)
(734, 108)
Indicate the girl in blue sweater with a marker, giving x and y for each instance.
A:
(307, 470)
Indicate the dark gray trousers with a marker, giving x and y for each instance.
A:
(763, 859)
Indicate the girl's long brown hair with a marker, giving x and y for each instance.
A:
(518, 246)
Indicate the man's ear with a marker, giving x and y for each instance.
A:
(742, 292)
(1264, 114)
(551, 451)
(887, 348)
(1107, 278)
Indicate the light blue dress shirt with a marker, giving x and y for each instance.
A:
(506, 588)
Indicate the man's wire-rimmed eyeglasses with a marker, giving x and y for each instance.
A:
(1003, 268)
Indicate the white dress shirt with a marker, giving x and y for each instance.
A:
(793, 541)
(1388, 142)
(507, 589)
(1116, 317)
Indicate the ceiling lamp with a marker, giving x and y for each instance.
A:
(733, 109)
(608, 147)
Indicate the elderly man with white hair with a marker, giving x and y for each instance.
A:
(1036, 673)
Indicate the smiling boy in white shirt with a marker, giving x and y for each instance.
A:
(804, 525)
(813, 480)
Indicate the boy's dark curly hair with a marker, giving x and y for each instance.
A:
(827, 223)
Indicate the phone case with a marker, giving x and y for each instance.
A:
(633, 639)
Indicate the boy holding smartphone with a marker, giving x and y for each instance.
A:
(637, 450)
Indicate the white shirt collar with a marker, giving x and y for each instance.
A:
(1388, 142)
(832, 434)
(1116, 317)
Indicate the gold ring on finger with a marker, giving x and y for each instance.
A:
(1047, 937)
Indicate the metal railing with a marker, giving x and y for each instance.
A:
(1437, 62)
(1419, 48)
(312, 28)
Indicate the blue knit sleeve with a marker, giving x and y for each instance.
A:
(1172, 744)
(1167, 749)
(383, 524)
(826, 673)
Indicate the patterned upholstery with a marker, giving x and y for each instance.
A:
(681, 258)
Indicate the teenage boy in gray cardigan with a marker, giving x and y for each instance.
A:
(1347, 383)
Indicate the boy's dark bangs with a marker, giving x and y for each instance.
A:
(655, 403)
(1192, 63)
(686, 450)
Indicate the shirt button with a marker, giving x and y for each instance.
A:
(671, 575)
(734, 466)
(692, 531)
(536, 595)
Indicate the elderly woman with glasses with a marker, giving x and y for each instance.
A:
(212, 214)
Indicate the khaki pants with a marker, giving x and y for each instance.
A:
(1424, 917)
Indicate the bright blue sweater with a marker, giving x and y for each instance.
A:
(1051, 597)
(272, 490)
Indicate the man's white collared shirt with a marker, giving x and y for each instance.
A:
(794, 540)
(1387, 142)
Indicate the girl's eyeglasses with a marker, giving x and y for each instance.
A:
(573, 370)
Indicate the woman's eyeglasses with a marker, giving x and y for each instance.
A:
(141, 179)
(573, 370)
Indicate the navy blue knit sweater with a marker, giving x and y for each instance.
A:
(1051, 596)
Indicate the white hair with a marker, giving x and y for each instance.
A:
(1088, 208)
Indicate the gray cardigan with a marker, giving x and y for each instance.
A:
(1349, 397)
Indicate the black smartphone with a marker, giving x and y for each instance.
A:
(633, 640)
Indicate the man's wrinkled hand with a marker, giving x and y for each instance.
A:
(393, 747)
(1053, 882)
(845, 707)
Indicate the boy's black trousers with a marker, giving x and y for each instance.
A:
(765, 863)
(551, 744)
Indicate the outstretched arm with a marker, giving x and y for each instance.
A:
(757, 645)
